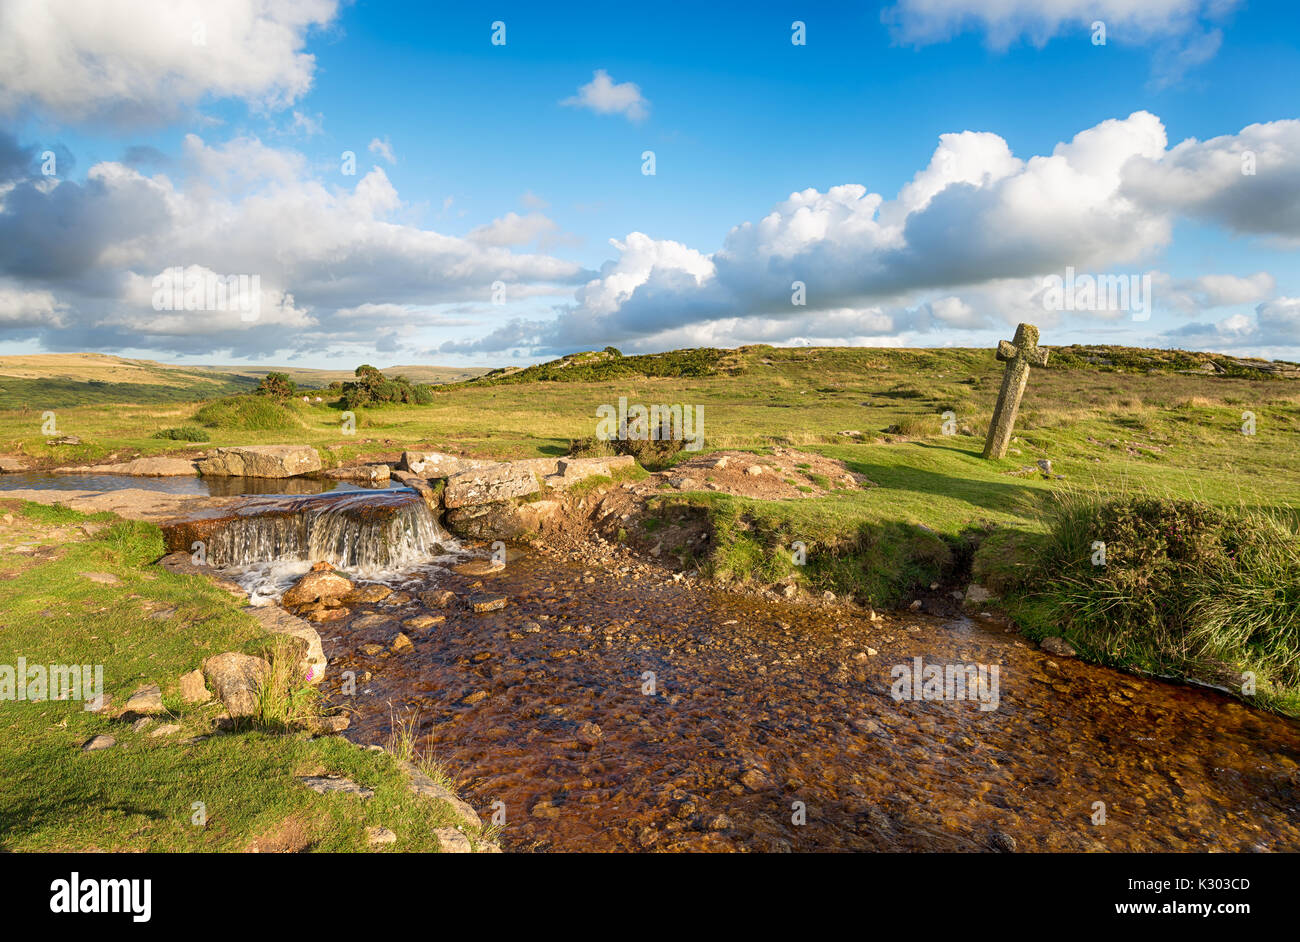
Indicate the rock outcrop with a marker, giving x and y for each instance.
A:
(495, 483)
(261, 461)
(502, 520)
(511, 479)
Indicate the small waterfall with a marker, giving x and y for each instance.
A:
(353, 530)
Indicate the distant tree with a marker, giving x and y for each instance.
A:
(372, 387)
(278, 385)
(614, 351)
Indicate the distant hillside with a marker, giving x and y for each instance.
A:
(597, 365)
(602, 365)
(59, 380)
(319, 379)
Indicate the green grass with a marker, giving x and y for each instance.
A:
(151, 627)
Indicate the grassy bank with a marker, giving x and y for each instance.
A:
(1166, 586)
(83, 590)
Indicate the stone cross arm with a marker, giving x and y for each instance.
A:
(1025, 347)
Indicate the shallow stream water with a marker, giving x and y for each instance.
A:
(178, 484)
(767, 714)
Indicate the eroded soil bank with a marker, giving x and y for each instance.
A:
(759, 705)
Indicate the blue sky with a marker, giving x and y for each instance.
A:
(201, 165)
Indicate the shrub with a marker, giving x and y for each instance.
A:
(654, 455)
(278, 385)
(372, 388)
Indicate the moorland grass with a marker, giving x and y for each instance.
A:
(150, 626)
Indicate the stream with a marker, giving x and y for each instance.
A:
(772, 727)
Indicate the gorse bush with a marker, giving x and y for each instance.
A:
(1185, 588)
(373, 388)
(278, 385)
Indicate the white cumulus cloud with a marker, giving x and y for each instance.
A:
(144, 60)
(604, 96)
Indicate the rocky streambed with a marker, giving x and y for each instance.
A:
(614, 709)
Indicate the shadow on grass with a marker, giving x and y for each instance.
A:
(1012, 496)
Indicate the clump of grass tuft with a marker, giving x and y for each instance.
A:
(1187, 589)
(250, 413)
(284, 698)
(917, 426)
(184, 433)
(403, 735)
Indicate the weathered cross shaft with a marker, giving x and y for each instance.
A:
(1019, 354)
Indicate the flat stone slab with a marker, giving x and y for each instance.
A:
(489, 485)
(261, 461)
(451, 841)
(325, 784)
(133, 503)
(378, 835)
(142, 467)
(366, 473)
(435, 464)
(570, 471)
(147, 699)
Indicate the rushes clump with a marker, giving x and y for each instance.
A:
(285, 698)
(1184, 588)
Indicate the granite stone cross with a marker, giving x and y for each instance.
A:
(1020, 354)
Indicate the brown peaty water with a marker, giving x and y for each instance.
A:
(759, 706)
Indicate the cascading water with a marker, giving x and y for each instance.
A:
(355, 531)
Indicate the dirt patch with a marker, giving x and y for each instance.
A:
(290, 836)
(784, 474)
